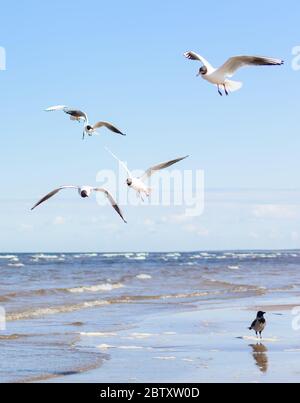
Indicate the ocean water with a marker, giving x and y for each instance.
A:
(52, 300)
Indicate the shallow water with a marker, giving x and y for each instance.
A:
(53, 300)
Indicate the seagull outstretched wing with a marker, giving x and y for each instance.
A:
(121, 163)
(161, 166)
(112, 201)
(51, 194)
(234, 63)
(195, 56)
(109, 126)
(74, 113)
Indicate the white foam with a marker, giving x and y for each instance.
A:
(98, 334)
(144, 277)
(40, 312)
(9, 257)
(253, 338)
(46, 257)
(233, 267)
(105, 346)
(175, 256)
(196, 257)
(136, 257)
(96, 288)
(110, 255)
(142, 335)
(16, 265)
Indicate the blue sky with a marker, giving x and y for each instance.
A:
(122, 61)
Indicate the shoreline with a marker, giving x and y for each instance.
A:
(194, 346)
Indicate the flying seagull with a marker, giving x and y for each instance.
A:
(138, 183)
(219, 77)
(259, 324)
(80, 116)
(84, 191)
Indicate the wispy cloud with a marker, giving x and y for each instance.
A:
(177, 219)
(196, 229)
(276, 211)
(59, 220)
(26, 227)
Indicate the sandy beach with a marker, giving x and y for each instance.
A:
(140, 317)
(196, 346)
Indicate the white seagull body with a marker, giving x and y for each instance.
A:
(138, 184)
(220, 77)
(80, 116)
(84, 192)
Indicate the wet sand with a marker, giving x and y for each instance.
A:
(198, 346)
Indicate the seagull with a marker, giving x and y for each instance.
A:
(138, 183)
(84, 192)
(219, 77)
(259, 324)
(80, 116)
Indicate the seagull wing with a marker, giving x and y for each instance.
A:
(109, 126)
(112, 201)
(159, 167)
(56, 108)
(234, 63)
(77, 114)
(120, 162)
(195, 56)
(51, 194)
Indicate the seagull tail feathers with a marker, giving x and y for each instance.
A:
(233, 86)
